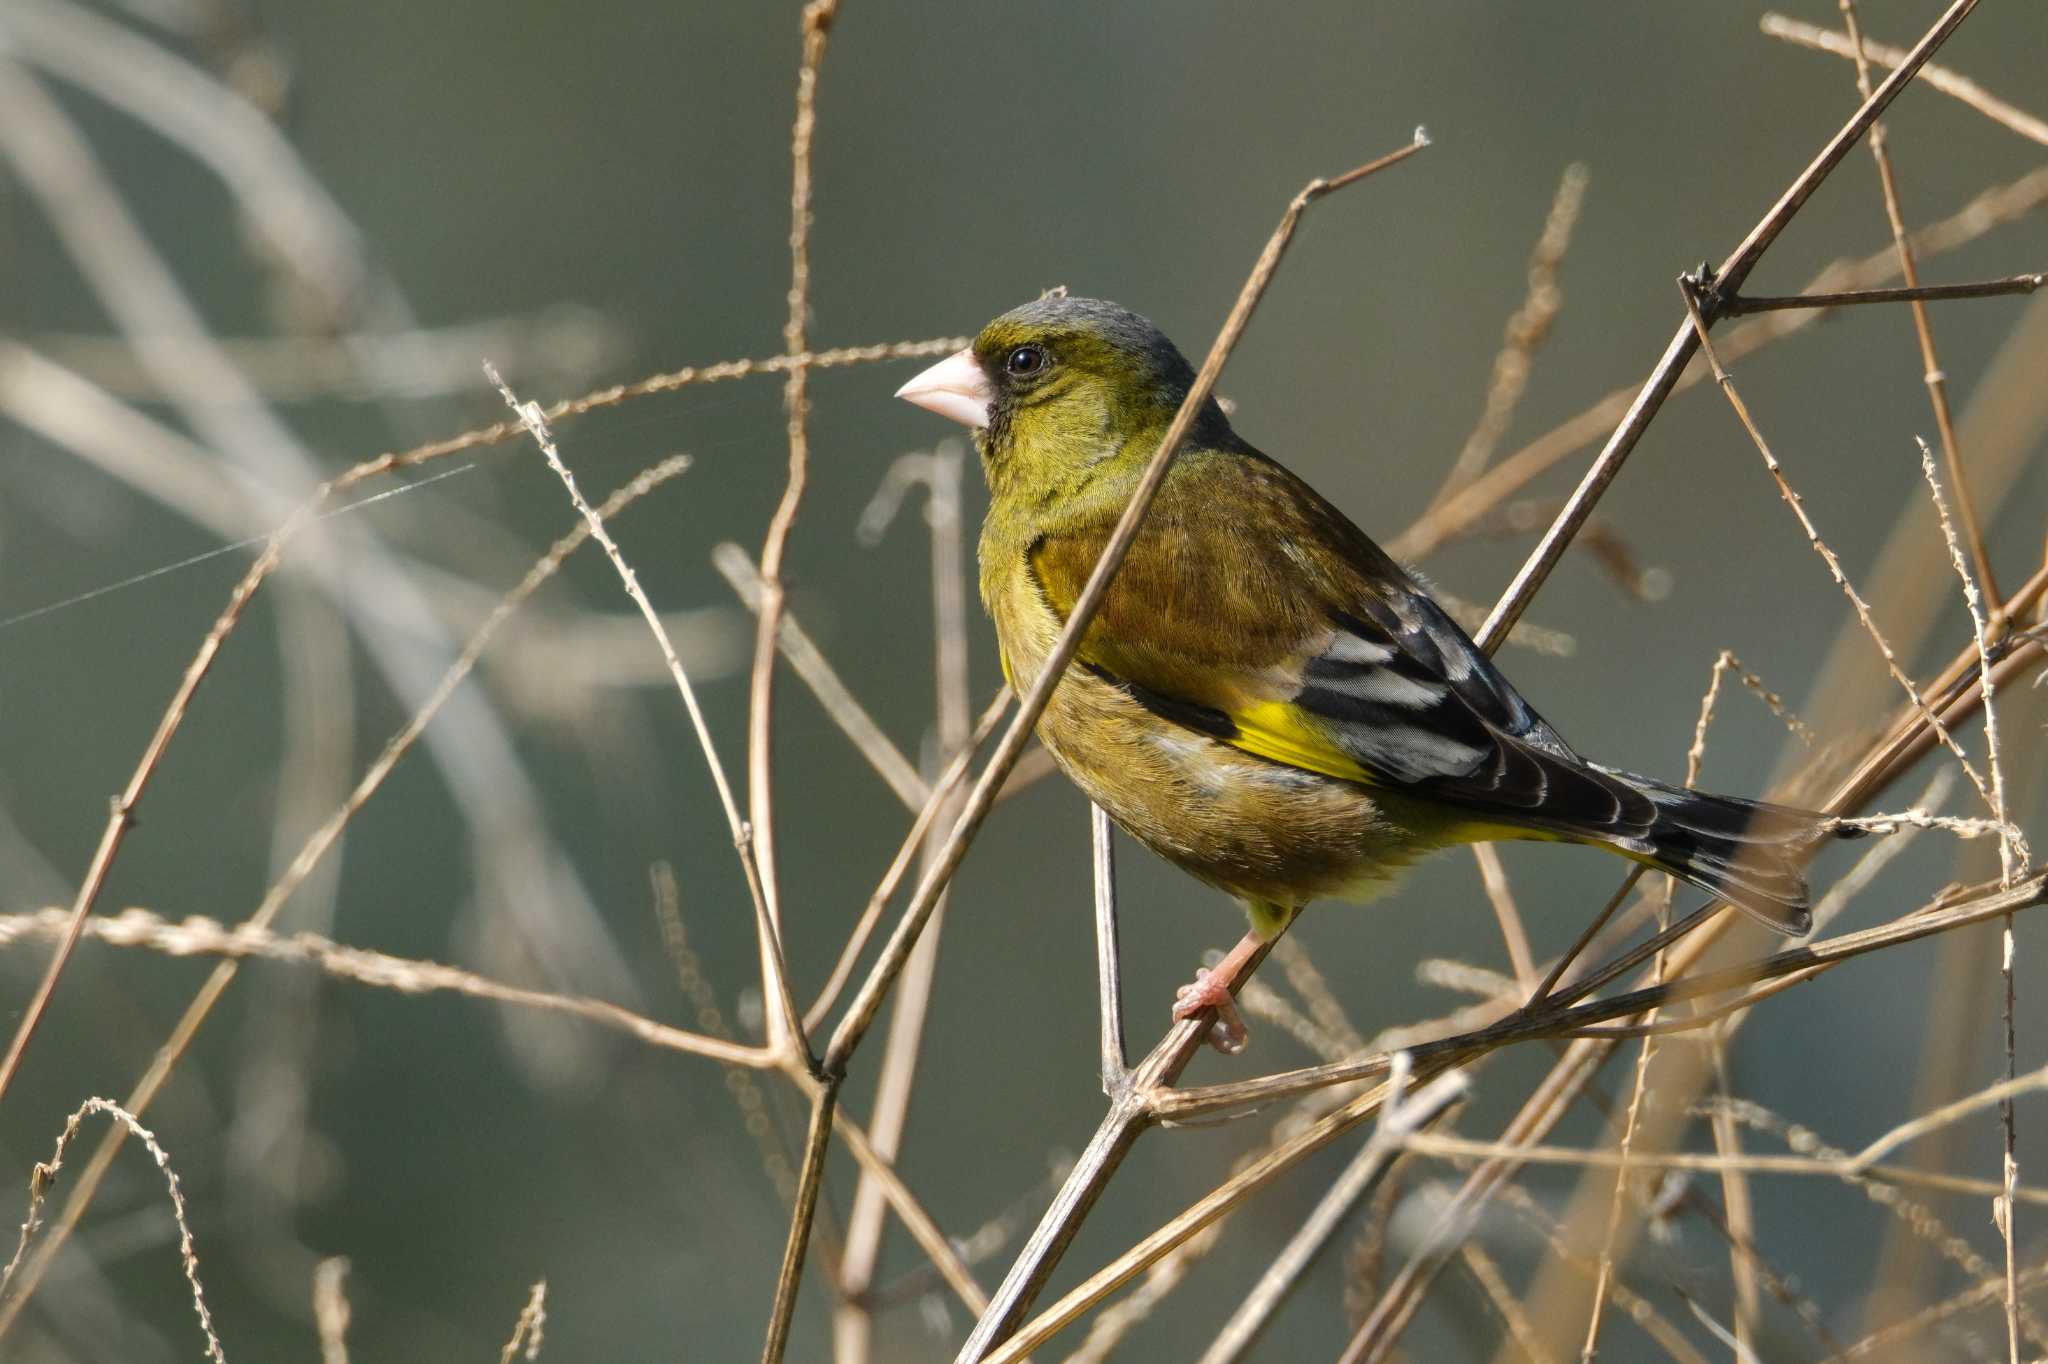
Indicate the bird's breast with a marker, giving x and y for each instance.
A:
(1260, 830)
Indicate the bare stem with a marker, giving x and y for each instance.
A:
(1923, 330)
(819, 675)
(1936, 77)
(1744, 304)
(817, 27)
(852, 1324)
(1116, 1066)
(935, 804)
(810, 1179)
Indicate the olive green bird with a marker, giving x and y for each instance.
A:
(1265, 698)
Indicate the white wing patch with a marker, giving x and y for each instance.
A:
(1349, 648)
(1387, 688)
(1414, 754)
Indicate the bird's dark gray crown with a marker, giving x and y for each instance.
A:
(1113, 323)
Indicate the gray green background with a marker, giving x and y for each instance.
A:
(631, 161)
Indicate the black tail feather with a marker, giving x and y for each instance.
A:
(1750, 853)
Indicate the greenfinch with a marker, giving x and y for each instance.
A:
(1265, 698)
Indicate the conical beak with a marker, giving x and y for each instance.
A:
(955, 387)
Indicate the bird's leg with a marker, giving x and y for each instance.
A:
(1211, 989)
(1215, 987)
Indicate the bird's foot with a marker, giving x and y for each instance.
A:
(1210, 989)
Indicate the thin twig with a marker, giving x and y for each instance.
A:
(122, 815)
(1932, 75)
(1107, 1331)
(791, 1034)
(1798, 964)
(1486, 1273)
(942, 1251)
(1603, 1274)
(1726, 662)
(810, 1179)
(1923, 329)
(2011, 861)
(45, 1175)
(1956, 686)
(195, 936)
(824, 681)
(1745, 304)
(1493, 878)
(1396, 1305)
(941, 790)
(2012, 851)
(1109, 975)
(1740, 1224)
(817, 19)
(2001, 1094)
(1820, 546)
(1743, 1262)
(1557, 969)
(1863, 1165)
(670, 381)
(1881, 854)
(817, 27)
(1879, 1343)
(526, 1332)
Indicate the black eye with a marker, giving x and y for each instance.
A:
(1025, 360)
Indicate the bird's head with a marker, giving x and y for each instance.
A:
(1061, 387)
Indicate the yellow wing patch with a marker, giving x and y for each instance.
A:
(1277, 730)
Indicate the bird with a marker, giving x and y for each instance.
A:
(1265, 698)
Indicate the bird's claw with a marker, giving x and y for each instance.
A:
(1228, 1033)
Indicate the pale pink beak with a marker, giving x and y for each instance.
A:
(955, 387)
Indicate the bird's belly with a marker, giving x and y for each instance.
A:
(1259, 830)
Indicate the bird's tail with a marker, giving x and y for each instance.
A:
(1748, 852)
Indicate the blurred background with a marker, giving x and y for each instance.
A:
(250, 244)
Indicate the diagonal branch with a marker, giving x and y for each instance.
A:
(1683, 344)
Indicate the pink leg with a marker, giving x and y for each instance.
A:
(1212, 989)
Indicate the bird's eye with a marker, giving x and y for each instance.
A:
(1025, 360)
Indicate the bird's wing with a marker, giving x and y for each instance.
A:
(1253, 611)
